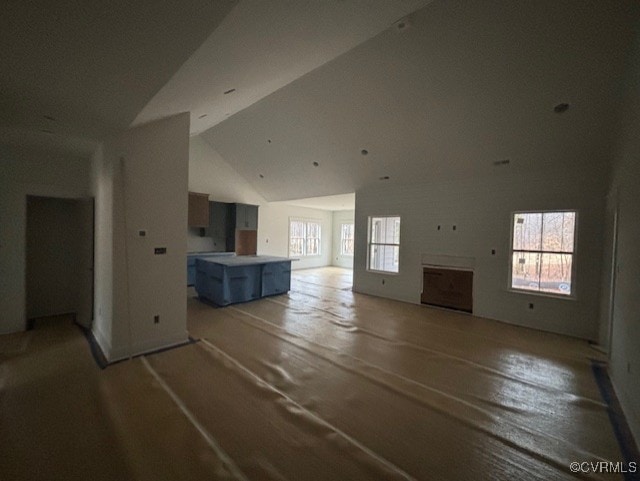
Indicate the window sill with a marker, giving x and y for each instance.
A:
(551, 295)
(386, 273)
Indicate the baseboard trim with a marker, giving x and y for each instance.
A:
(621, 428)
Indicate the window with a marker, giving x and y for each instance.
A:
(304, 237)
(346, 239)
(384, 244)
(542, 251)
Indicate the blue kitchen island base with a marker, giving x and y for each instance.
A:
(229, 280)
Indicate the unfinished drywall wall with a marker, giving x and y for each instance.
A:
(338, 259)
(28, 172)
(625, 190)
(481, 211)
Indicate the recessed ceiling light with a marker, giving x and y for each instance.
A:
(364, 152)
(386, 177)
(230, 91)
(315, 164)
(561, 108)
(48, 117)
(202, 116)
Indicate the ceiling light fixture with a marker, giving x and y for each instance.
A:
(561, 108)
(230, 91)
(386, 177)
(261, 176)
(364, 152)
(315, 164)
(268, 141)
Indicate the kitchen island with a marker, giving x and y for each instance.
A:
(191, 262)
(228, 280)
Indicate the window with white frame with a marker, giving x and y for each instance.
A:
(542, 252)
(304, 237)
(346, 239)
(384, 244)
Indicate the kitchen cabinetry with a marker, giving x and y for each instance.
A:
(218, 220)
(246, 216)
(241, 217)
(198, 210)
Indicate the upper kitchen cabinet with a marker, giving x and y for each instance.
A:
(198, 210)
(218, 220)
(246, 216)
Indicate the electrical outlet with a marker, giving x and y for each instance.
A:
(156, 319)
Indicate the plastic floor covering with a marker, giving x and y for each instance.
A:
(318, 384)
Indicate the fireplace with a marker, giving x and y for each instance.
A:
(450, 287)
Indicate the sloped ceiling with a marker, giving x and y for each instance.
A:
(466, 84)
(463, 83)
(74, 71)
(262, 46)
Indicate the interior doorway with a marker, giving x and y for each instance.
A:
(59, 258)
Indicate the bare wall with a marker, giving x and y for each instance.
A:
(140, 180)
(28, 172)
(625, 190)
(481, 211)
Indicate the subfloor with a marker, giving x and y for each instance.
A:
(319, 384)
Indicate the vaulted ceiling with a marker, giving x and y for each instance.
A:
(326, 97)
(72, 72)
(464, 85)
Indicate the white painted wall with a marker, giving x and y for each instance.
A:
(102, 173)
(625, 188)
(341, 217)
(481, 209)
(28, 172)
(144, 174)
(273, 233)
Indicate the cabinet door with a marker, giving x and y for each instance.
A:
(241, 217)
(251, 212)
(218, 218)
(198, 210)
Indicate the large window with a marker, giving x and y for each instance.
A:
(542, 251)
(384, 244)
(346, 239)
(304, 237)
